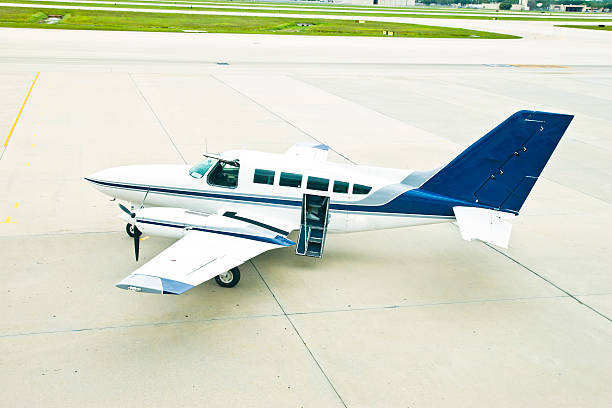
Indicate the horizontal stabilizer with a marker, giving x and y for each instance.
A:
(484, 224)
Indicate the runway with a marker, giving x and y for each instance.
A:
(406, 317)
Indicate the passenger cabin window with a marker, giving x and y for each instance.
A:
(263, 176)
(341, 187)
(224, 175)
(317, 183)
(199, 170)
(361, 189)
(290, 180)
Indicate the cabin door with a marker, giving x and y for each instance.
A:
(313, 227)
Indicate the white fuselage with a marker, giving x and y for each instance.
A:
(173, 186)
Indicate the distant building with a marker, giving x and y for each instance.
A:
(522, 5)
(575, 8)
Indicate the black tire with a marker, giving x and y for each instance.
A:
(129, 228)
(228, 279)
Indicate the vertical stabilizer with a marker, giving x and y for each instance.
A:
(500, 169)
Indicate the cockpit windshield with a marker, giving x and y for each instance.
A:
(199, 170)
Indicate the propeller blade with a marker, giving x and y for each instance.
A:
(127, 211)
(137, 235)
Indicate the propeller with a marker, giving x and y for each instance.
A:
(137, 232)
(125, 210)
(137, 235)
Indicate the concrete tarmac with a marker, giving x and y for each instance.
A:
(406, 317)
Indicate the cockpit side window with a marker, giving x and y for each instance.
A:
(199, 170)
(224, 175)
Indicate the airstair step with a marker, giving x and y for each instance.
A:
(313, 227)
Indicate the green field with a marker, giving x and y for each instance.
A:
(589, 27)
(331, 7)
(378, 12)
(135, 21)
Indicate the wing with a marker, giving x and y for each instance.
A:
(202, 254)
(314, 151)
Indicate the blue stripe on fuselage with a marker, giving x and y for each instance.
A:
(411, 202)
(204, 194)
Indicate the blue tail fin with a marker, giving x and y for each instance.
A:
(500, 169)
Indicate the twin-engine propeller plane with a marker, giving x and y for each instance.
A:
(236, 205)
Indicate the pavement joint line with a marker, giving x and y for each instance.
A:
(380, 112)
(8, 138)
(299, 334)
(470, 85)
(137, 325)
(161, 124)
(281, 118)
(596, 294)
(575, 190)
(438, 98)
(549, 282)
(416, 305)
(543, 278)
(64, 60)
(286, 315)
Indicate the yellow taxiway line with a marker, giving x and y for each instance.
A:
(20, 110)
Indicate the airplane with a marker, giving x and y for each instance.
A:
(233, 206)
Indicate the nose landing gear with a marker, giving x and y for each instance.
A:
(228, 279)
(129, 228)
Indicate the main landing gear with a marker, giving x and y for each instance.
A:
(228, 279)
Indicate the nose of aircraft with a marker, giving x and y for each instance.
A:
(108, 181)
(109, 176)
(124, 181)
(100, 175)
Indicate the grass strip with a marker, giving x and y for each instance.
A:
(305, 12)
(136, 21)
(589, 27)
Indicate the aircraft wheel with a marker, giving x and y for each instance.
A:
(228, 279)
(129, 228)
